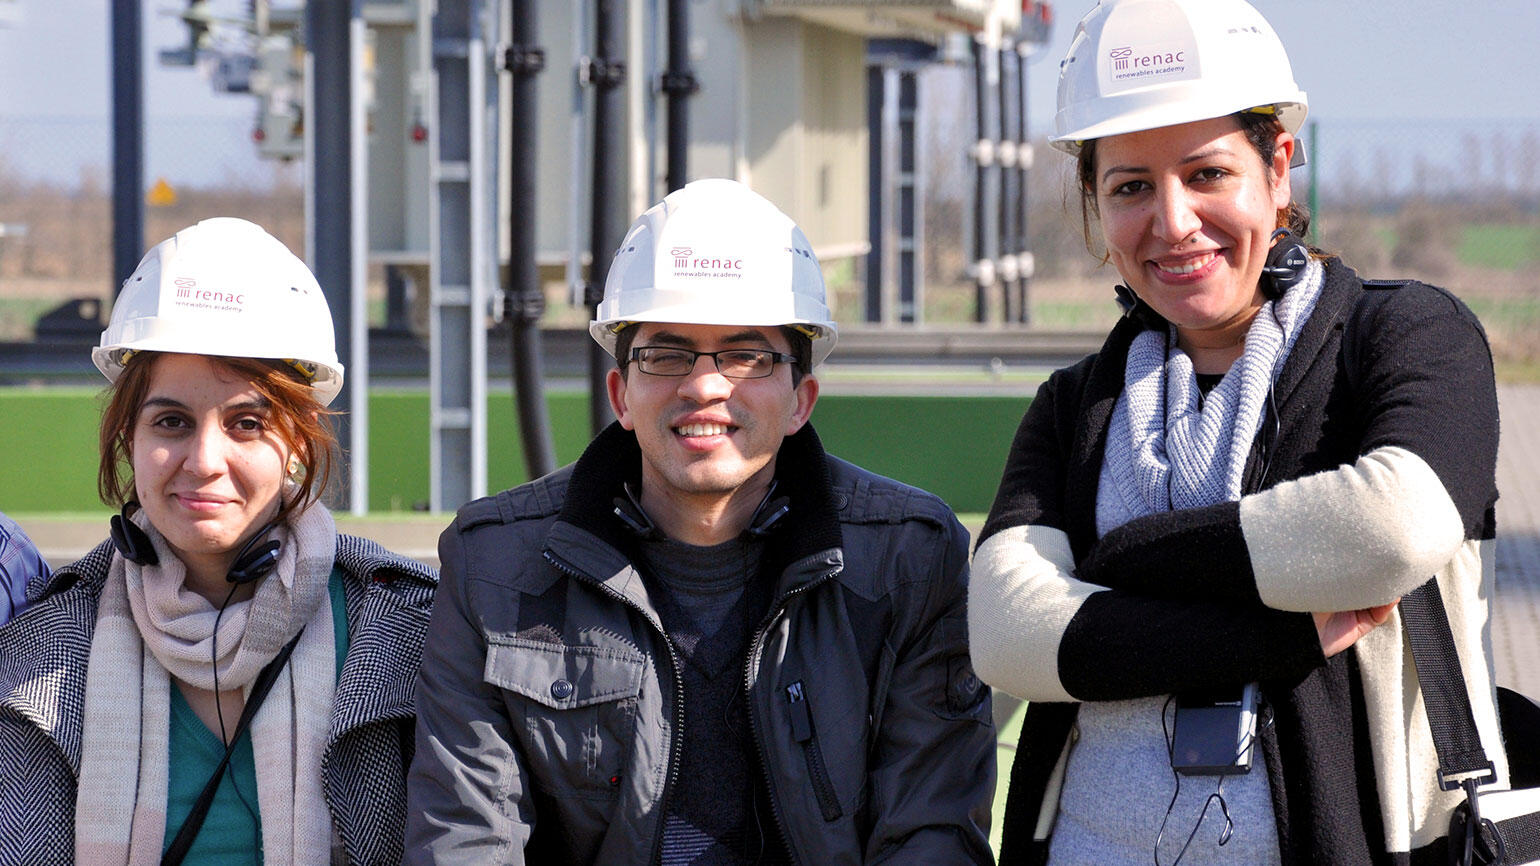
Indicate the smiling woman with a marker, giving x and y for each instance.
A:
(225, 586)
(1204, 529)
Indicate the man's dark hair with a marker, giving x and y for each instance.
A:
(801, 348)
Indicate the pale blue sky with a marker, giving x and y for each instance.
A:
(1377, 59)
(58, 63)
(1359, 60)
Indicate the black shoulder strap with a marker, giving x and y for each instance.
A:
(1443, 689)
(200, 810)
(1461, 761)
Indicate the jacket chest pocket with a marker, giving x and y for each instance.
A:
(574, 710)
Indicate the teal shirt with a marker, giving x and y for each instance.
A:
(232, 832)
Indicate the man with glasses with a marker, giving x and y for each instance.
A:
(707, 641)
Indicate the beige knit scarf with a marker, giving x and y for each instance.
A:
(120, 805)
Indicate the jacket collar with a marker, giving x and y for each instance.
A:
(392, 613)
(1104, 383)
(804, 545)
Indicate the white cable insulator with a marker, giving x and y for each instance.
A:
(983, 272)
(1008, 269)
(984, 151)
(1008, 154)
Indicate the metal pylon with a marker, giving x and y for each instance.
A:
(460, 247)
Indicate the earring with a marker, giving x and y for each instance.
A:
(293, 466)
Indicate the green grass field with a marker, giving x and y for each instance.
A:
(1504, 246)
(1499, 246)
(952, 446)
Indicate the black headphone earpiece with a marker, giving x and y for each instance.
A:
(1135, 308)
(255, 561)
(131, 541)
(1285, 265)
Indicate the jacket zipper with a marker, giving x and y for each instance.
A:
(748, 680)
(802, 732)
(673, 658)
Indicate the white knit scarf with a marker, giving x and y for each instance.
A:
(1168, 446)
(120, 804)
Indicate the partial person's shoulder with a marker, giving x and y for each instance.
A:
(9, 530)
(864, 497)
(900, 543)
(532, 501)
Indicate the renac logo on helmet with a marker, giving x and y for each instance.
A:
(1126, 64)
(228, 300)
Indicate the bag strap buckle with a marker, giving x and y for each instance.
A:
(1454, 780)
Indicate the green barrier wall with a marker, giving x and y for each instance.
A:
(952, 446)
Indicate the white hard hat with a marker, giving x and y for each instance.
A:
(1143, 64)
(224, 287)
(715, 253)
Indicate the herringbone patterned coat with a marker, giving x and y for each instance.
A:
(43, 657)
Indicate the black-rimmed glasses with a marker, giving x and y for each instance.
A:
(732, 363)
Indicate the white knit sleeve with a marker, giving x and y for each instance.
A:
(1022, 594)
(1361, 535)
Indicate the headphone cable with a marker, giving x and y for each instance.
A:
(219, 713)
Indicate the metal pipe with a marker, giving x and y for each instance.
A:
(1314, 199)
(526, 298)
(1024, 264)
(983, 156)
(1005, 258)
(328, 35)
(679, 83)
(876, 187)
(127, 142)
(606, 72)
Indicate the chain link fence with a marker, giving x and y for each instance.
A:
(1452, 203)
(1456, 204)
(56, 208)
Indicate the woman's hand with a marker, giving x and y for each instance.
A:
(1341, 629)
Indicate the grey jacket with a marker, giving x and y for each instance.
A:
(43, 655)
(549, 703)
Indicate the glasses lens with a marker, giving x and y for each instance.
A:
(744, 364)
(665, 362)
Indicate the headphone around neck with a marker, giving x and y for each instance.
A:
(1286, 262)
(253, 562)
